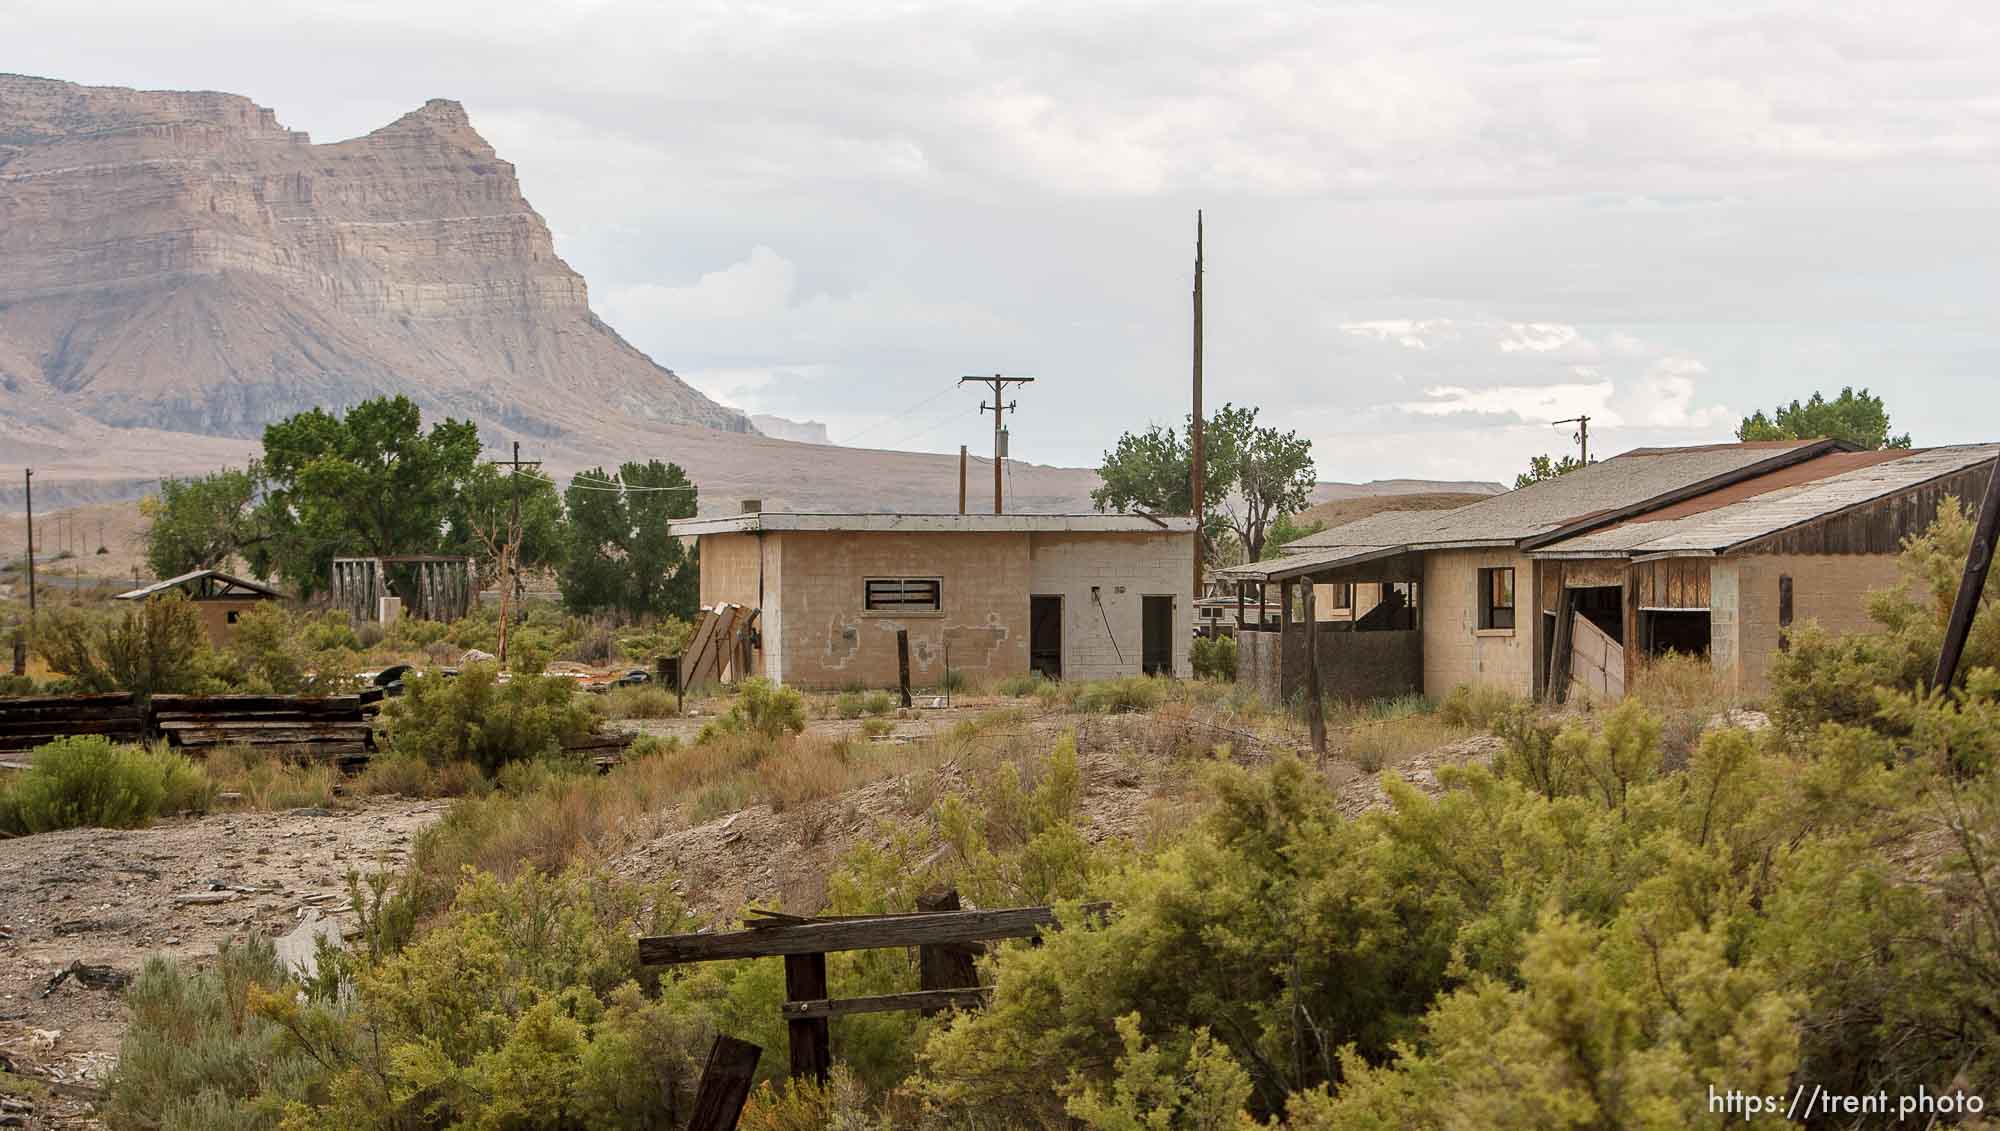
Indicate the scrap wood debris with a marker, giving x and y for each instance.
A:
(89, 975)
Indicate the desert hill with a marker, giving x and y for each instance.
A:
(180, 261)
(178, 269)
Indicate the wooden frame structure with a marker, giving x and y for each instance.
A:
(443, 588)
(948, 939)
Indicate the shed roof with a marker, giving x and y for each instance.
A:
(226, 581)
(1726, 519)
(938, 523)
(1600, 492)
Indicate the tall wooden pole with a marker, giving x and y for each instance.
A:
(31, 545)
(1971, 585)
(997, 408)
(1198, 472)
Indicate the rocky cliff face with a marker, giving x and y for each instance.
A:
(182, 262)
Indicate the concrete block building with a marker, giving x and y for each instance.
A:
(1571, 584)
(1071, 596)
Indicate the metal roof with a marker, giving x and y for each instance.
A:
(255, 587)
(938, 523)
(1599, 493)
(1718, 529)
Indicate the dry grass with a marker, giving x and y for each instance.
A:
(642, 702)
(266, 782)
(1686, 692)
(1376, 745)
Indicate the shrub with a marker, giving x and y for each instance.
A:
(150, 646)
(197, 1056)
(1133, 693)
(1214, 657)
(1477, 706)
(475, 718)
(954, 681)
(645, 701)
(524, 1007)
(268, 650)
(877, 703)
(847, 705)
(761, 707)
(90, 781)
(877, 727)
(1019, 686)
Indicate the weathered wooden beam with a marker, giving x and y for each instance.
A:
(924, 1001)
(903, 662)
(1970, 585)
(811, 1038)
(1315, 710)
(854, 934)
(725, 1085)
(102, 699)
(944, 966)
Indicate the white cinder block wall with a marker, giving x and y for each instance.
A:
(1102, 638)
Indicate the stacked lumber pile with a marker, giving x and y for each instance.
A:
(336, 728)
(29, 721)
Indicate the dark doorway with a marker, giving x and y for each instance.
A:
(1156, 646)
(1045, 634)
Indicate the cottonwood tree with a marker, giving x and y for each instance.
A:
(1856, 417)
(1253, 476)
(373, 481)
(622, 551)
(200, 523)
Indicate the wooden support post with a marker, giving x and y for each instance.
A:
(903, 663)
(1971, 585)
(945, 966)
(1315, 713)
(725, 1085)
(962, 459)
(1239, 607)
(812, 1040)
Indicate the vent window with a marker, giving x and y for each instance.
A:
(903, 595)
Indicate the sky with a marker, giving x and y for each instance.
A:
(1432, 229)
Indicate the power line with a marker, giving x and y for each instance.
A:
(888, 420)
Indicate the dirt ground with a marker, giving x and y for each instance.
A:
(112, 898)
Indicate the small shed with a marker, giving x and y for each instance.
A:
(219, 597)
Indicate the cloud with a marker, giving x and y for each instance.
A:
(831, 208)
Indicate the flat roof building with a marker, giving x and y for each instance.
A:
(1072, 596)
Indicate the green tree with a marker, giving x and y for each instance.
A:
(200, 523)
(1271, 473)
(1253, 475)
(1542, 467)
(622, 551)
(373, 481)
(1285, 531)
(148, 646)
(1856, 417)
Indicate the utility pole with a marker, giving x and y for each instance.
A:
(510, 548)
(1198, 472)
(961, 478)
(998, 408)
(1582, 433)
(31, 546)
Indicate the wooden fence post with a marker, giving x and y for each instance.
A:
(812, 1038)
(944, 966)
(1315, 712)
(725, 1085)
(903, 663)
